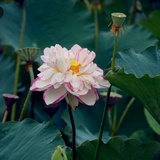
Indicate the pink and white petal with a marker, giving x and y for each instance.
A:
(46, 74)
(59, 77)
(57, 85)
(87, 85)
(43, 67)
(89, 79)
(42, 85)
(39, 85)
(72, 101)
(84, 91)
(98, 72)
(103, 82)
(46, 51)
(61, 64)
(70, 89)
(81, 56)
(90, 98)
(44, 58)
(76, 48)
(91, 56)
(75, 82)
(83, 69)
(70, 55)
(91, 69)
(66, 53)
(68, 77)
(52, 95)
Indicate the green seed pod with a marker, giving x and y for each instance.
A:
(59, 154)
(118, 19)
(28, 54)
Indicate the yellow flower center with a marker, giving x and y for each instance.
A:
(75, 65)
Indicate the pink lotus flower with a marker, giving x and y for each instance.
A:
(69, 74)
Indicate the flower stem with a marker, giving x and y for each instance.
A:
(110, 117)
(87, 5)
(114, 52)
(25, 105)
(107, 100)
(18, 62)
(5, 116)
(73, 133)
(123, 116)
(133, 12)
(30, 68)
(96, 29)
(31, 73)
(102, 124)
(114, 117)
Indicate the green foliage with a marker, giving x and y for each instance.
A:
(59, 154)
(138, 74)
(8, 72)
(28, 140)
(53, 24)
(117, 148)
(133, 37)
(152, 22)
(153, 124)
(135, 82)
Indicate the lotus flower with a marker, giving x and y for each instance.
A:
(69, 74)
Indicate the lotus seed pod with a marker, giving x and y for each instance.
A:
(28, 54)
(118, 19)
(10, 99)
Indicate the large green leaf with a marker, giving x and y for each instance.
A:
(146, 89)
(152, 22)
(140, 63)
(119, 149)
(47, 23)
(28, 140)
(140, 78)
(7, 71)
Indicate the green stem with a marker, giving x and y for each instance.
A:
(5, 116)
(109, 118)
(114, 117)
(102, 124)
(73, 133)
(123, 116)
(87, 5)
(107, 101)
(25, 105)
(133, 12)
(31, 73)
(30, 68)
(18, 62)
(114, 52)
(96, 29)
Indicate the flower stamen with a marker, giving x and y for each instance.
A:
(75, 65)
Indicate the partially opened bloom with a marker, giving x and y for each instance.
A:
(69, 74)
